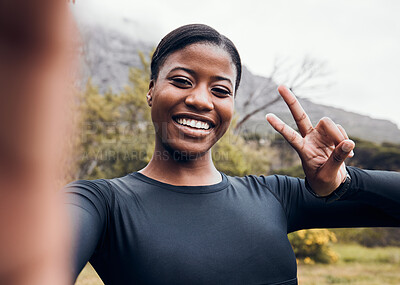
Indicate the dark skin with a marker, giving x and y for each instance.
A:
(197, 83)
(322, 149)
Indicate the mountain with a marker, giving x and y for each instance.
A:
(356, 125)
(108, 55)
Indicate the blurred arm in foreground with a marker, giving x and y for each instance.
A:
(36, 67)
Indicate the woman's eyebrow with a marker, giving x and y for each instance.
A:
(193, 73)
(218, 78)
(190, 71)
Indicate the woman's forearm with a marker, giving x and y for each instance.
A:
(33, 81)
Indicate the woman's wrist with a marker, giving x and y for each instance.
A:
(336, 194)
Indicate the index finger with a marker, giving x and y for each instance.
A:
(301, 118)
(292, 137)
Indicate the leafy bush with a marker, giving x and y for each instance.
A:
(369, 155)
(369, 237)
(311, 246)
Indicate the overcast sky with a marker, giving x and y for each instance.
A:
(359, 40)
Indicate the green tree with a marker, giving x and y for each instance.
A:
(234, 156)
(117, 136)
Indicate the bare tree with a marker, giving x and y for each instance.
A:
(310, 75)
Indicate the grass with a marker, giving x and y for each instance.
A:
(358, 265)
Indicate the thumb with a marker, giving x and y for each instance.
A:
(343, 150)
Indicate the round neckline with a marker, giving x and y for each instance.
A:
(201, 189)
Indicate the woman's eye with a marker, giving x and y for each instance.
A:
(221, 92)
(181, 82)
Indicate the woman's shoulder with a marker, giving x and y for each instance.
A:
(110, 188)
(270, 181)
(88, 193)
(80, 186)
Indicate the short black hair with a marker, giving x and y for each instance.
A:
(191, 34)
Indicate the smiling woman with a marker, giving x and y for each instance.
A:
(191, 106)
(181, 221)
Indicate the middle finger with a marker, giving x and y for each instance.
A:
(301, 118)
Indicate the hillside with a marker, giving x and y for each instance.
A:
(108, 55)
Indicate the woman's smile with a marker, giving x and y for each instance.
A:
(193, 125)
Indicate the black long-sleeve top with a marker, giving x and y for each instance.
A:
(136, 230)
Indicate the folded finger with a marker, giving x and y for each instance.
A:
(344, 133)
(331, 130)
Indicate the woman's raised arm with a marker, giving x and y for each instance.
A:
(367, 198)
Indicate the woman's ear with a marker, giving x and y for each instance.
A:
(149, 96)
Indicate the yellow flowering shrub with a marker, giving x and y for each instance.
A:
(311, 246)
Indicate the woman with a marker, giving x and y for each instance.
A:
(180, 221)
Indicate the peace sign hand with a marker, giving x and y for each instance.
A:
(322, 149)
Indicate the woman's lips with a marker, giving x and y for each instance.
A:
(192, 127)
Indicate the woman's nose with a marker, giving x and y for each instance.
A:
(200, 98)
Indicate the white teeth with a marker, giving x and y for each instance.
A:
(193, 123)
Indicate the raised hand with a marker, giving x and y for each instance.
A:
(322, 149)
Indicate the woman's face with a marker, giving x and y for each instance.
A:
(192, 99)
